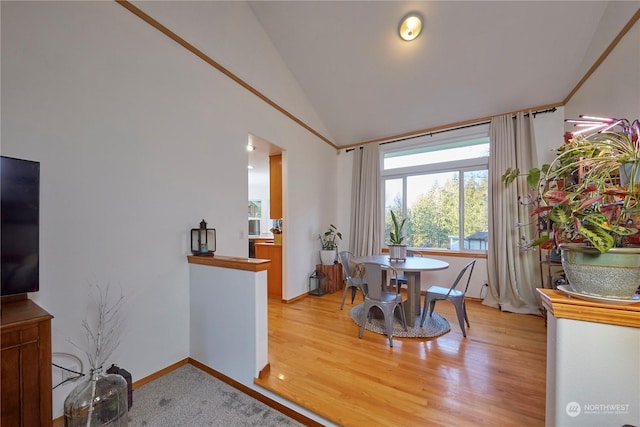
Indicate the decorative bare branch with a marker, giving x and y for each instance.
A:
(102, 330)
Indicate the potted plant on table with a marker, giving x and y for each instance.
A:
(329, 251)
(397, 250)
(277, 233)
(590, 215)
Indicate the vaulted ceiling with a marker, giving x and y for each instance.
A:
(473, 59)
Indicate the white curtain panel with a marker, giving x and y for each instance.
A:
(514, 274)
(366, 202)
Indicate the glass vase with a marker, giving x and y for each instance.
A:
(101, 400)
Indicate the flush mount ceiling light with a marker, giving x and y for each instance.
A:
(250, 147)
(410, 26)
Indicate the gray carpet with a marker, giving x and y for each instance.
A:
(434, 326)
(190, 397)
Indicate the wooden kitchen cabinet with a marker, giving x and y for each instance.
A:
(275, 186)
(274, 273)
(25, 364)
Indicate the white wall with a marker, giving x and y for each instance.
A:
(616, 14)
(613, 90)
(139, 140)
(213, 305)
(549, 131)
(345, 168)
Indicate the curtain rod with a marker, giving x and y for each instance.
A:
(548, 110)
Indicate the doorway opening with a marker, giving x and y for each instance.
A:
(265, 220)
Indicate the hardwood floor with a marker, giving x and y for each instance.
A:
(494, 377)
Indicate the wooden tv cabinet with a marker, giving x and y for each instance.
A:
(25, 364)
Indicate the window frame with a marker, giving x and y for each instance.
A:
(459, 166)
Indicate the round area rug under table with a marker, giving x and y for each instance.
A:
(434, 326)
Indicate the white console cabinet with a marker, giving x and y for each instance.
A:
(593, 362)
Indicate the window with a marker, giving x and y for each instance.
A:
(440, 184)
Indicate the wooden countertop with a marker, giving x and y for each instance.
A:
(268, 244)
(563, 306)
(17, 312)
(236, 263)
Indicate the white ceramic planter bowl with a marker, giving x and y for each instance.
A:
(328, 257)
(398, 252)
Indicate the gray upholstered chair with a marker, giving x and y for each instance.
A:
(375, 295)
(451, 293)
(352, 280)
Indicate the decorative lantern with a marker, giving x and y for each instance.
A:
(317, 283)
(114, 369)
(203, 240)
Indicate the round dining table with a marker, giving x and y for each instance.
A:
(411, 268)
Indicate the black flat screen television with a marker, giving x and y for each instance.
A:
(20, 214)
